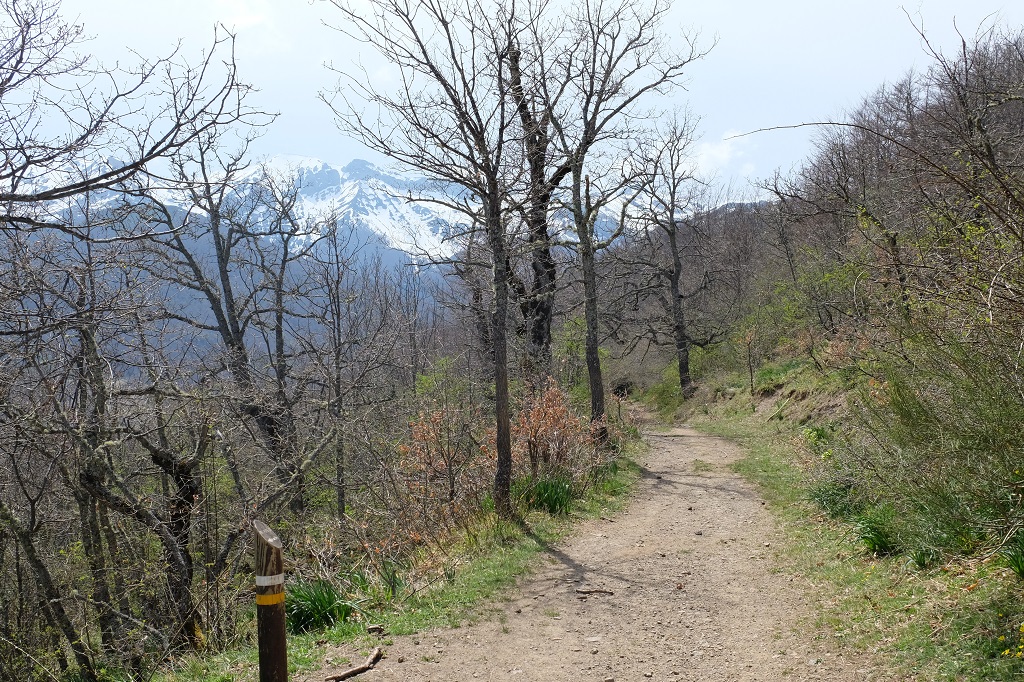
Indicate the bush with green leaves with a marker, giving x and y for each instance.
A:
(665, 396)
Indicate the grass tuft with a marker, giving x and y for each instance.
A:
(316, 605)
(553, 494)
(1013, 553)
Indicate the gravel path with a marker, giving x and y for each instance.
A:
(683, 585)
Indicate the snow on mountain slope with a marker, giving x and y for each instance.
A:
(364, 196)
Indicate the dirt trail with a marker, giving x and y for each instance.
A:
(696, 595)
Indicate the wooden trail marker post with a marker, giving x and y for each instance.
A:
(270, 605)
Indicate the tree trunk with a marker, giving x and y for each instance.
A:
(499, 339)
(679, 331)
(54, 610)
(683, 360)
(596, 381)
(339, 473)
(542, 302)
(116, 562)
(92, 546)
(484, 323)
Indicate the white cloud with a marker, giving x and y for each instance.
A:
(721, 157)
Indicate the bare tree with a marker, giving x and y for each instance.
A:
(79, 404)
(593, 83)
(587, 206)
(364, 338)
(449, 118)
(674, 258)
(72, 297)
(535, 96)
(64, 132)
(234, 255)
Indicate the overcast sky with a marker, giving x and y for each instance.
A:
(774, 64)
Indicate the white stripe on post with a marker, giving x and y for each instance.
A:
(268, 580)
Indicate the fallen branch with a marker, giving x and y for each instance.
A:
(592, 590)
(375, 656)
(778, 412)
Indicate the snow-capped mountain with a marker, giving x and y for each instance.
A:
(380, 208)
(370, 201)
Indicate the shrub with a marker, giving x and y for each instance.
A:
(666, 396)
(440, 476)
(944, 434)
(554, 440)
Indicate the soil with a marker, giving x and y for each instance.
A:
(685, 584)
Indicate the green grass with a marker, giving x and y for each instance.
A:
(498, 554)
(961, 620)
(771, 377)
(553, 494)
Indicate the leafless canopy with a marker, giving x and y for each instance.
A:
(68, 125)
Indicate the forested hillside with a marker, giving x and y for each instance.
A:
(188, 345)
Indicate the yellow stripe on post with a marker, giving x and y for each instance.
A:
(269, 599)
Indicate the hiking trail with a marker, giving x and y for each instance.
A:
(684, 584)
